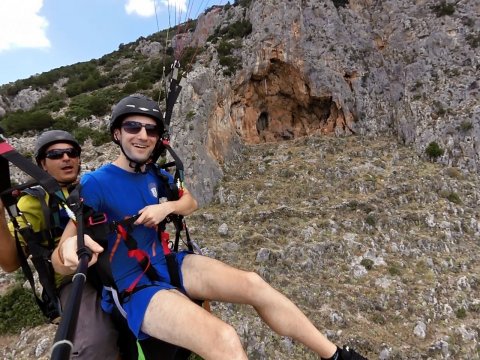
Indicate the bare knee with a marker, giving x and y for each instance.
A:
(228, 343)
(255, 285)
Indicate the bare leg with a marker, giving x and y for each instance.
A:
(174, 318)
(206, 278)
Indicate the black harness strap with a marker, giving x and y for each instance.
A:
(49, 304)
(63, 342)
(8, 153)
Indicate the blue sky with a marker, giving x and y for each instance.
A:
(40, 35)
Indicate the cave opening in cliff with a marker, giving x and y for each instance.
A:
(277, 105)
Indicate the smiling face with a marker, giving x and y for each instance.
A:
(137, 138)
(64, 169)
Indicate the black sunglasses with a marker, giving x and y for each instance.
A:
(56, 154)
(134, 127)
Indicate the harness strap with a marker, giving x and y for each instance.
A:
(144, 261)
(43, 178)
(172, 267)
(49, 303)
(141, 256)
(116, 300)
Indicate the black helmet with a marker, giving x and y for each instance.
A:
(51, 137)
(136, 104)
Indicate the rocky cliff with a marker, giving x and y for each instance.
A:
(313, 152)
(362, 68)
(365, 68)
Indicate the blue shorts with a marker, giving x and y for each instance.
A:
(136, 304)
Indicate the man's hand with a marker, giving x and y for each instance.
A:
(68, 252)
(152, 215)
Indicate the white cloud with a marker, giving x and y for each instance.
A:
(21, 26)
(140, 7)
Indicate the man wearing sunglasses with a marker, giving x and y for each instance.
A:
(58, 153)
(155, 307)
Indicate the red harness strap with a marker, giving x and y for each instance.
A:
(140, 255)
(165, 239)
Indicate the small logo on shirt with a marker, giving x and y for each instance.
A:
(153, 189)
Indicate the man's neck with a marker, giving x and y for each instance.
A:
(123, 163)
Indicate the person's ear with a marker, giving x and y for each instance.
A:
(116, 132)
(42, 162)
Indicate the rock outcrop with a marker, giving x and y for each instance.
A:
(368, 68)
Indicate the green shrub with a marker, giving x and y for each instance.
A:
(473, 40)
(340, 3)
(21, 121)
(230, 62)
(466, 126)
(86, 78)
(131, 87)
(98, 137)
(189, 56)
(53, 101)
(443, 9)
(434, 150)
(370, 220)
(367, 264)
(190, 115)
(238, 29)
(394, 270)
(225, 47)
(242, 3)
(461, 313)
(64, 123)
(85, 105)
(453, 197)
(18, 310)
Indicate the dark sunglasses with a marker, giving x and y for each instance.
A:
(56, 154)
(134, 127)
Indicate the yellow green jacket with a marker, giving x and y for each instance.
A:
(33, 213)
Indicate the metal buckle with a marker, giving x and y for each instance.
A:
(95, 219)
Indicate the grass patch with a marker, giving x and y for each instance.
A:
(18, 310)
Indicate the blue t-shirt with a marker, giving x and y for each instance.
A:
(121, 194)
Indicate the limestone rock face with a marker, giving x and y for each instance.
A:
(367, 68)
(26, 99)
(151, 49)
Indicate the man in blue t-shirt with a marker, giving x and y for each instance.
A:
(127, 188)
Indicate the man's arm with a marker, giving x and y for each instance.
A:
(8, 250)
(152, 215)
(186, 205)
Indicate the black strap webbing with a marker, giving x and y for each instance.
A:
(44, 179)
(49, 303)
